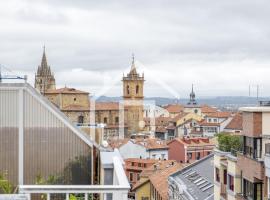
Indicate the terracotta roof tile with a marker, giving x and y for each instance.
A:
(207, 109)
(197, 141)
(160, 179)
(174, 108)
(219, 114)
(236, 122)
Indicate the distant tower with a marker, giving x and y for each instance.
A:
(44, 78)
(133, 98)
(192, 100)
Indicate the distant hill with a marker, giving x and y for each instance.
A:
(225, 102)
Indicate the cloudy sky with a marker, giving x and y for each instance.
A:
(221, 46)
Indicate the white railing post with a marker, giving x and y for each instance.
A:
(85, 196)
(48, 196)
(67, 196)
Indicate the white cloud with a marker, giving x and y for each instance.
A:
(220, 46)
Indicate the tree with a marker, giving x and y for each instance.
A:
(229, 143)
(5, 186)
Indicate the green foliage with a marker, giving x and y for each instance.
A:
(229, 143)
(5, 185)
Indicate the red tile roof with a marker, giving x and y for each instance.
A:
(160, 179)
(174, 108)
(236, 122)
(207, 109)
(219, 114)
(196, 141)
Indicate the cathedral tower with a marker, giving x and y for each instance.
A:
(44, 78)
(133, 99)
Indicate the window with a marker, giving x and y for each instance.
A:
(209, 120)
(252, 190)
(145, 198)
(208, 153)
(189, 155)
(137, 89)
(132, 163)
(105, 120)
(74, 99)
(253, 147)
(198, 157)
(138, 177)
(217, 175)
(80, 119)
(131, 176)
(154, 156)
(139, 164)
(116, 120)
(231, 182)
(128, 89)
(144, 165)
(162, 156)
(225, 177)
(215, 120)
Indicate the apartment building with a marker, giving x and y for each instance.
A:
(246, 176)
(187, 149)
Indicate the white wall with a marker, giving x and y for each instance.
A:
(266, 123)
(158, 154)
(131, 150)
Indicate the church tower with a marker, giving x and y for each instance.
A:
(133, 99)
(44, 78)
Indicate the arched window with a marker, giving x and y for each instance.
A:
(128, 89)
(80, 119)
(105, 120)
(137, 89)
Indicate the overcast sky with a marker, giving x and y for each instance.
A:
(221, 46)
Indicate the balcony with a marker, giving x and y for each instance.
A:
(117, 190)
(252, 169)
(223, 191)
(267, 160)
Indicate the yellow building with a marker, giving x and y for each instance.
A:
(227, 176)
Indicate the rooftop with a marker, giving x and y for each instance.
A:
(236, 122)
(197, 179)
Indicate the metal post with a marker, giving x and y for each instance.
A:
(85, 196)
(20, 126)
(67, 196)
(48, 196)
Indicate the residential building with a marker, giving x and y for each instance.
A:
(188, 149)
(153, 183)
(235, 125)
(142, 148)
(213, 123)
(135, 166)
(194, 182)
(227, 176)
(174, 109)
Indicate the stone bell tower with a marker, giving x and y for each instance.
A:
(44, 78)
(133, 99)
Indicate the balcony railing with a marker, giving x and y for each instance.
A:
(118, 191)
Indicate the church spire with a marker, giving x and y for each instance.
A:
(192, 100)
(133, 67)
